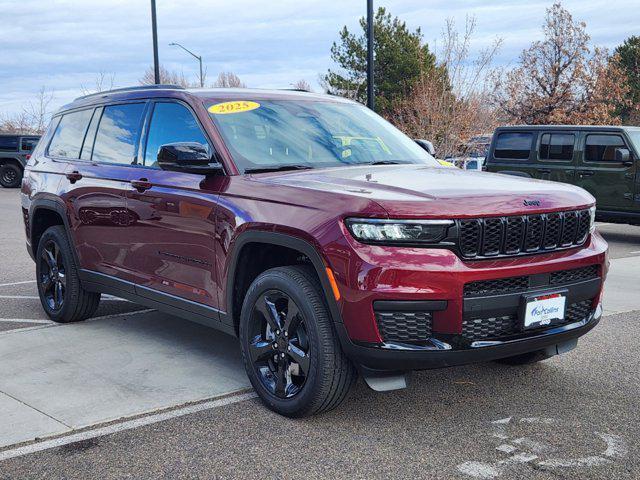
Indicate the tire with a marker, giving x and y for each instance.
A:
(317, 381)
(10, 175)
(525, 358)
(61, 294)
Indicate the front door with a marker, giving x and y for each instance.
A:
(171, 243)
(598, 172)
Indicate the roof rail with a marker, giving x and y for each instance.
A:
(132, 89)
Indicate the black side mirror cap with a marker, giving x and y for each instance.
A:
(426, 145)
(188, 157)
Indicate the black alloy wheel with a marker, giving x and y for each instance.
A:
(10, 175)
(53, 278)
(279, 344)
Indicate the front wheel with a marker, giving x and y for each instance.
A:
(290, 351)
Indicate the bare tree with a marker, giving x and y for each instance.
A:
(229, 80)
(560, 79)
(302, 84)
(103, 81)
(167, 77)
(34, 116)
(450, 104)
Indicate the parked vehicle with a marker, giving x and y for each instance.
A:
(311, 228)
(430, 149)
(602, 160)
(14, 153)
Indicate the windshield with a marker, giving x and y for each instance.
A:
(310, 134)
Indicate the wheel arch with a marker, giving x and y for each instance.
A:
(44, 213)
(242, 245)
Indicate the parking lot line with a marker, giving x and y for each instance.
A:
(16, 283)
(108, 298)
(236, 397)
(24, 320)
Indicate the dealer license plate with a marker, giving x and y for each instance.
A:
(544, 310)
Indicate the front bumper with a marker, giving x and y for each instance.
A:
(385, 359)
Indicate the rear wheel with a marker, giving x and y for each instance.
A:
(290, 351)
(10, 175)
(62, 297)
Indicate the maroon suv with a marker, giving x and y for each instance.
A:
(308, 226)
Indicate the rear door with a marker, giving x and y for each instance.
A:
(555, 156)
(512, 153)
(96, 182)
(598, 172)
(171, 241)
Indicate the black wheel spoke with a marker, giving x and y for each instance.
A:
(46, 283)
(268, 310)
(292, 318)
(47, 256)
(261, 349)
(300, 357)
(281, 378)
(57, 295)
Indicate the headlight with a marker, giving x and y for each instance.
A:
(592, 222)
(373, 230)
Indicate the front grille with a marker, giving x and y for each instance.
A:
(409, 327)
(521, 284)
(497, 328)
(507, 236)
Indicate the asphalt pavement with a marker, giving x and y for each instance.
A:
(574, 416)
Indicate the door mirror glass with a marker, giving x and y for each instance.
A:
(190, 157)
(427, 145)
(623, 156)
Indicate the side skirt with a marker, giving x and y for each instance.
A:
(164, 302)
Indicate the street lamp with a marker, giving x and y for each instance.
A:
(199, 58)
(370, 91)
(154, 31)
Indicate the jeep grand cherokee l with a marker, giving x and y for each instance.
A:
(308, 226)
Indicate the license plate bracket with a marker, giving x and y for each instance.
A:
(543, 309)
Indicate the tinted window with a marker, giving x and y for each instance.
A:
(602, 148)
(28, 144)
(513, 145)
(557, 146)
(118, 134)
(67, 140)
(8, 143)
(171, 123)
(87, 146)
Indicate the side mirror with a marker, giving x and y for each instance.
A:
(427, 145)
(189, 157)
(623, 155)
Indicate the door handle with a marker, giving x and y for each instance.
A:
(74, 176)
(586, 173)
(141, 185)
(544, 170)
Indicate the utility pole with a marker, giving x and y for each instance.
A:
(154, 27)
(371, 102)
(197, 57)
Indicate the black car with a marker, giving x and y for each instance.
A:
(14, 153)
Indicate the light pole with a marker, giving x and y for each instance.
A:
(154, 28)
(371, 103)
(199, 58)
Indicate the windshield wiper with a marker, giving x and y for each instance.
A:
(277, 168)
(386, 162)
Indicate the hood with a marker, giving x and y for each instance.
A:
(425, 191)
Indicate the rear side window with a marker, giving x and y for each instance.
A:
(118, 134)
(171, 123)
(67, 140)
(557, 146)
(602, 148)
(28, 144)
(513, 145)
(8, 144)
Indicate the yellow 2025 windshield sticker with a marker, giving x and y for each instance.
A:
(233, 107)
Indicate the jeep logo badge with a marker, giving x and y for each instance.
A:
(532, 203)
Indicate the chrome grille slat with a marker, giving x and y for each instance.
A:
(523, 234)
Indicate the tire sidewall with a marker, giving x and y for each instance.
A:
(57, 235)
(307, 398)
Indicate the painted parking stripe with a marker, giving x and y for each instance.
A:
(16, 283)
(235, 397)
(24, 320)
(108, 298)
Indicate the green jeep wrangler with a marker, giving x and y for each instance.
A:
(15, 150)
(602, 160)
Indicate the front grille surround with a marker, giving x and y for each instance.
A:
(492, 237)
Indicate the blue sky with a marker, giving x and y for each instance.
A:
(64, 44)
